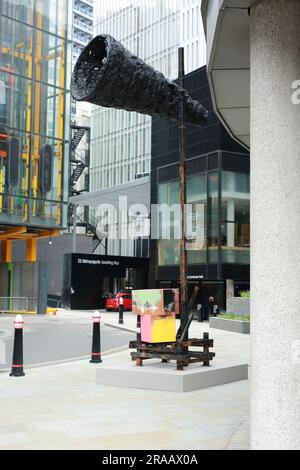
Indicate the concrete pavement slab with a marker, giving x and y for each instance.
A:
(61, 407)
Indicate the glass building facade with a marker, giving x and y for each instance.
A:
(35, 67)
(82, 34)
(218, 199)
(225, 198)
(82, 25)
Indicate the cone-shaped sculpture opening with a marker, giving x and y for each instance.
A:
(107, 74)
(89, 67)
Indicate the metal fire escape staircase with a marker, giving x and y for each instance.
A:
(77, 138)
(78, 169)
(80, 163)
(90, 226)
(78, 166)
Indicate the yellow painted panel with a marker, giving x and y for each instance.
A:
(6, 251)
(31, 250)
(163, 329)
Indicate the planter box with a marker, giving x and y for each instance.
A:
(238, 305)
(235, 326)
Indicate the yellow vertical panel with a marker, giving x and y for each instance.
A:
(31, 250)
(26, 154)
(6, 251)
(37, 102)
(60, 123)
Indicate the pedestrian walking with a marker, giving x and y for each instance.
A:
(211, 302)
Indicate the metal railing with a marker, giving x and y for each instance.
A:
(54, 302)
(80, 39)
(14, 304)
(83, 25)
(83, 10)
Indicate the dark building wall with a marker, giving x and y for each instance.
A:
(52, 255)
(199, 142)
(85, 275)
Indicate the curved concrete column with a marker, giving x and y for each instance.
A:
(275, 225)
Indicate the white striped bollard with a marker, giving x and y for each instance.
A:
(17, 361)
(96, 346)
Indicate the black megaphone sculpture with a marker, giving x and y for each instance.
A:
(107, 74)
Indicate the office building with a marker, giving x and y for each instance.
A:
(80, 112)
(217, 179)
(82, 25)
(153, 30)
(35, 52)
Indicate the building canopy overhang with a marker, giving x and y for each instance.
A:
(136, 192)
(227, 27)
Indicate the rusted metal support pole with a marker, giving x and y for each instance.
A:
(186, 328)
(182, 185)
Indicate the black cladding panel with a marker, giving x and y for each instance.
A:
(200, 141)
(13, 154)
(45, 168)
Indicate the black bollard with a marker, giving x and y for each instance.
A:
(138, 321)
(96, 347)
(17, 362)
(121, 314)
(202, 314)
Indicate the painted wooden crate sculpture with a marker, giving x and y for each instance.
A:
(157, 308)
(158, 338)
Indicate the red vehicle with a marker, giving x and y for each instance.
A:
(112, 303)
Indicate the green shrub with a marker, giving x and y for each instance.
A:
(245, 294)
(232, 316)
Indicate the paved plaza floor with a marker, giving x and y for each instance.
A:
(61, 407)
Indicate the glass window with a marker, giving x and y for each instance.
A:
(16, 46)
(14, 101)
(197, 195)
(213, 217)
(14, 167)
(235, 223)
(21, 10)
(230, 233)
(47, 15)
(169, 224)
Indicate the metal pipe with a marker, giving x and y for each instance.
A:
(74, 238)
(185, 331)
(182, 193)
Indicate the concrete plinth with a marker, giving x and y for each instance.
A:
(238, 305)
(235, 326)
(275, 225)
(157, 376)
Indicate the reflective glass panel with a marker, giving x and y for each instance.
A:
(235, 224)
